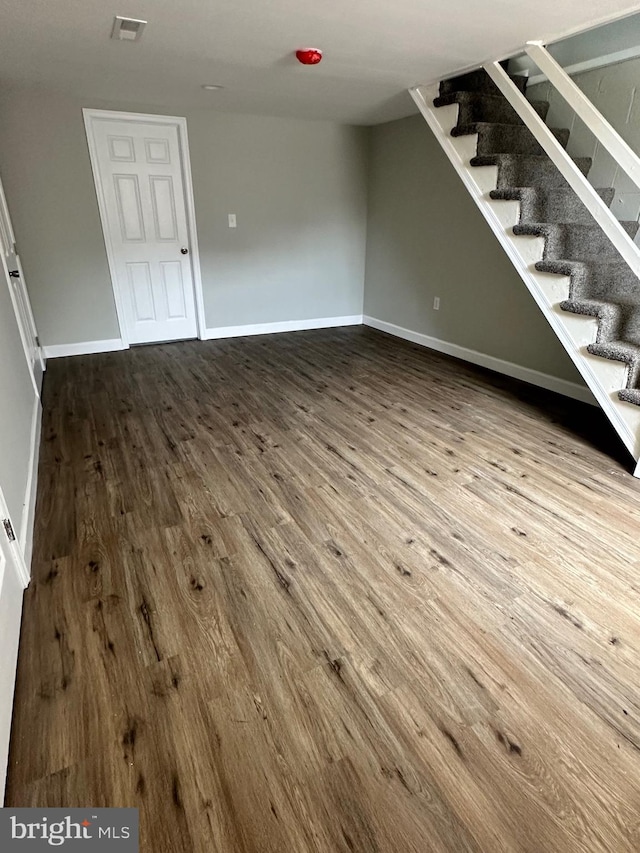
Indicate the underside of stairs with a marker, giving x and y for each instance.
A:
(601, 283)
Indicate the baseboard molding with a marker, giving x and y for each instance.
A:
(25, 537)
(84, 348)
(508, 368)
(91, 347)
(283, 326)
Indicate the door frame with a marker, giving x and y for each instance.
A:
(33, 330)
(13, 581)
(14, 547)
(91, 115)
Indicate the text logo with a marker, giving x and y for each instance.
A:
(103, 830)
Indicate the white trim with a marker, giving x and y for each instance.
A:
(11, 597)
(32, 322)
(84, 348)
(102, 209)
(29, 511)
(508, 368)
(423, 98)
(194, 251)
(612, 228)
(606, 135)
(14, 547)
(21, 330)
(181, 124)
(27, 301)
(114, 344)
(283, 326)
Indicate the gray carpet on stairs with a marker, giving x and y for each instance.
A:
(601, 283)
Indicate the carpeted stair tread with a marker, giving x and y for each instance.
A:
(478, 81)
(479, 106)
(494, 138)
(604, 281)
(563, 205)
(609, 280)
(630, 395)
(566, 266)
(629, 355)
(587, 242)
(562, 267)
(574, 242)
(524, 170)
(620, 351)
(555, 206)
(609, 315)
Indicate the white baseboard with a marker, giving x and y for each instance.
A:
(283, 326)
(90, 347)
(526, 374)
(25, 537)
(84, 348)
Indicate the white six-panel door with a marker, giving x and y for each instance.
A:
(141, 189)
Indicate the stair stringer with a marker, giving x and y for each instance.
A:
(575, 332)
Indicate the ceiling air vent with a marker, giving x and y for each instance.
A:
(127, 29)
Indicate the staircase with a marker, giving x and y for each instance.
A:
(588, 291)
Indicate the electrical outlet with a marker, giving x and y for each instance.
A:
(436, 303)
(232, 220)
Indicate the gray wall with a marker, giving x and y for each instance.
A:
(613, 89)
(426, 238)
(16, 411)
(298, 189)
(616, 38)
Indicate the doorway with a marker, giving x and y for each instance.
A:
(143, 184)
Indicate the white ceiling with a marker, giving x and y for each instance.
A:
(373, 49)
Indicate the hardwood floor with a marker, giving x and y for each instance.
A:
(330, 592)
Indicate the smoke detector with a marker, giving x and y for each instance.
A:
(127, 29)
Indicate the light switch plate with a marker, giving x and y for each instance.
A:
(232, 220)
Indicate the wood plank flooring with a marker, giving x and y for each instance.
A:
(330, 592)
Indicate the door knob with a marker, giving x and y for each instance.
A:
(14, 273)
(184, 251)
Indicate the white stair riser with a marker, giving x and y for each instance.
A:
(582, 329)
(531, 249)
(508, 214)
(466, 148)
(449, 117)
(485, 178)
(612, 375)
(554, 287)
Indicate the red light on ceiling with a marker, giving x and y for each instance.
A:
(309, 56)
